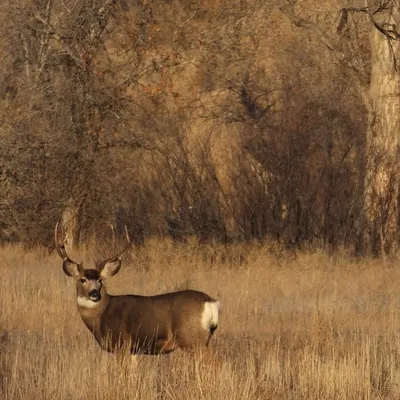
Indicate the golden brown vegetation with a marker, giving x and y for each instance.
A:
(299, 326)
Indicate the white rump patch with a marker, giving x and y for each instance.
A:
(86, 303)
(210, 315)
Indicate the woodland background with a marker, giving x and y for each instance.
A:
(251, 145)
(227, 120)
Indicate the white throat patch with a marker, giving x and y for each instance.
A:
(86, 303)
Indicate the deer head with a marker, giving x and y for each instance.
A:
(89, 281)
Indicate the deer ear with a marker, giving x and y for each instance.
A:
(72, 269)
(110, 267)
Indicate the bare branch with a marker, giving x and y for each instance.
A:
(26, 57)
(387, 29)
(288, 10)
(53, 31)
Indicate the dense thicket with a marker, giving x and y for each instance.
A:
(216, 119)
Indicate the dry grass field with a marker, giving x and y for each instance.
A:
(304, 326)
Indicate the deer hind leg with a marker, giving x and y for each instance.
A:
(192, 338)
(167, 345)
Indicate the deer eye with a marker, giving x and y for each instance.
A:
(83, 280)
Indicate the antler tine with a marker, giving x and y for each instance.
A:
(121, 253)
(60, 247)
(125, 249)
(113, 237)
(128, 245)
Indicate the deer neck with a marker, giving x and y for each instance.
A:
(91, 312)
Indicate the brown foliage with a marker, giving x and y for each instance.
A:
(181, 119)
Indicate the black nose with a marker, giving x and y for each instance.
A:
(94, 294)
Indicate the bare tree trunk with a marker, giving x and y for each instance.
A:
(382, 188)
(382, 100)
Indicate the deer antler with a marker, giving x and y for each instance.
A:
(124, 250)
(60, 247)
(113, 237)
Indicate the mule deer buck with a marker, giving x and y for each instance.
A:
(146, 324)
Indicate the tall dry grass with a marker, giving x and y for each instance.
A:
(304, 326)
